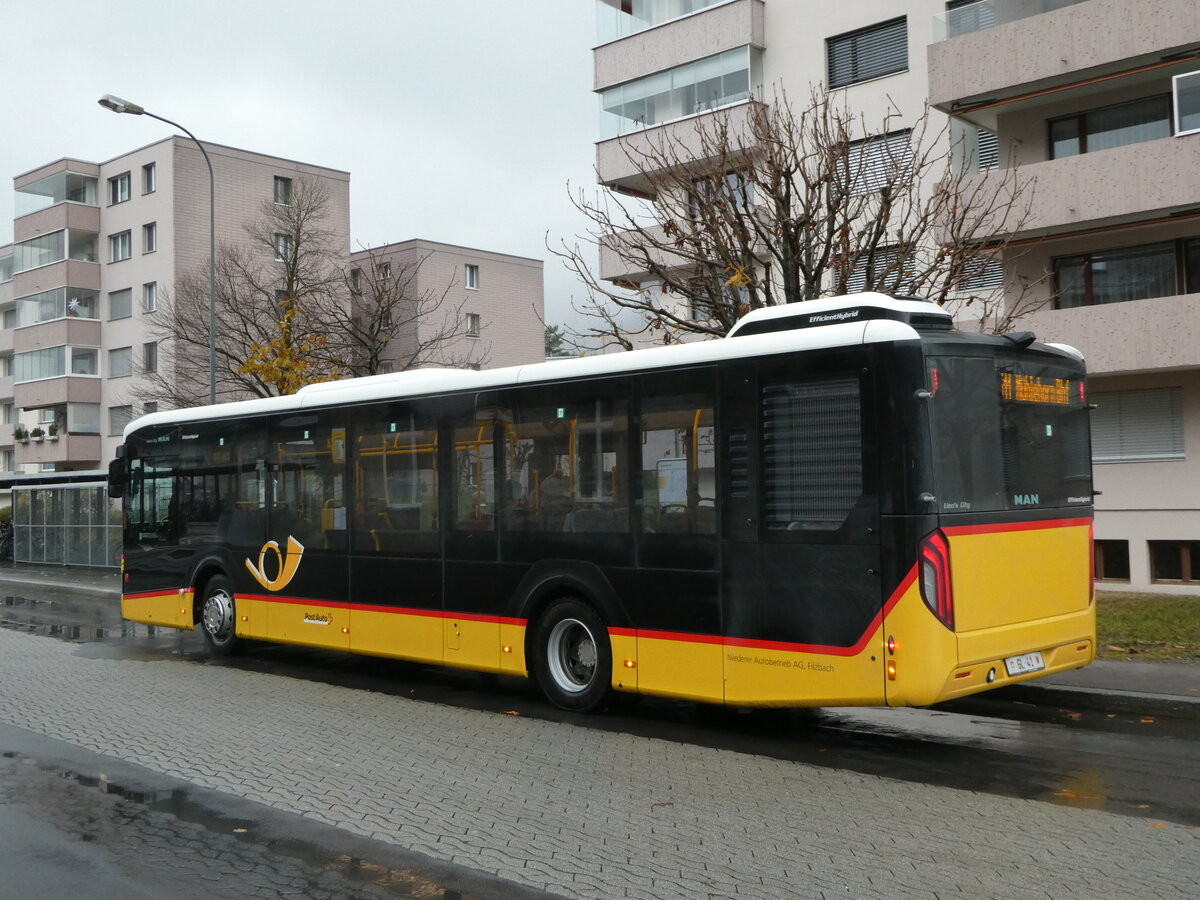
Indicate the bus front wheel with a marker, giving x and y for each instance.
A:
(218, 616)
(572, 657)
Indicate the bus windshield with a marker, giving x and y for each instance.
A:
(1008, 433)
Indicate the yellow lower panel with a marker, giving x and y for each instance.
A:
(624, 661)
(974, 678)
(170, 609)
(252, 616)
(309, 624)
(926, 652)
(512, 649)
(471, 644)
(760, 677)
(675, 668)
(396, 634)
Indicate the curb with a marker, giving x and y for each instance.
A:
(1102, 700)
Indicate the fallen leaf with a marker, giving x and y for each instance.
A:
(1147, 720)
(1159, 825)
(511, 712)
(1115, 648)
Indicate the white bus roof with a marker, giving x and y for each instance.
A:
(428, 381)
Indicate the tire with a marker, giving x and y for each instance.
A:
(218, 616)
(572, 657)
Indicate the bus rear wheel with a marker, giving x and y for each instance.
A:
(218, 616)
(572, 657)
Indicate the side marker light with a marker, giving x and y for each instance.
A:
(891, 670)
(631, 664)
(891, 645)
(506, 648)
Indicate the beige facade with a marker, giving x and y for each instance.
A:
(98, 247)
(480, 309)
(1098, 104)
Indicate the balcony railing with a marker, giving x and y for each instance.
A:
(973, 17)
(616, 20)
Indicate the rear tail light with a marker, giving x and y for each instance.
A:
(934, 557)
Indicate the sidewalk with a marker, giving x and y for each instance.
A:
(1130, 686)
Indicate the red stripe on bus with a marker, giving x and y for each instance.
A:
(1016, 526)
(142, 595)
(678, 636)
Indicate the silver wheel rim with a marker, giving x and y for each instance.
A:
(571, 653)
(218, 616)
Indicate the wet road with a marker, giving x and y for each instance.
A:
(1123, 763)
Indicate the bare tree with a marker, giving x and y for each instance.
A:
(271, 290)
(766, 205)
(394, 321)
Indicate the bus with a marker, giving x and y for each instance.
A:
(842, 502)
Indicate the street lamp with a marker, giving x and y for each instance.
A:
(117, 105)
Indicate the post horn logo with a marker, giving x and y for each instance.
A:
(285, 564)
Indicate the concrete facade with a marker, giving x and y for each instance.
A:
(72, 215)
(1008, 68)
(507, 296)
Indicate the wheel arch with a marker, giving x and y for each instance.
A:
(202, 573)
(551, 580)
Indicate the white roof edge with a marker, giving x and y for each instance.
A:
(846, 301)
(421, 382)
(1066, 348)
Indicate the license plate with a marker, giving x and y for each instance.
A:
(1025, 663)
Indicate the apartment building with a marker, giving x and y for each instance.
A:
(1098, 100)
(478, 309)
(99, 247)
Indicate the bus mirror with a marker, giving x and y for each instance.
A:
(116, 478)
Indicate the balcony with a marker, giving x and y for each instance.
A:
(62, 186)
(1137, 182)
(705, 33)
(989, 13)
(55, 218)
(1163, 339)
(81, 450)
(75, 273)
(56, 391)
(623, 162)
(1065, 49)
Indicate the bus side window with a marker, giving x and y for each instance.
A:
(678, 465)
(475, 472)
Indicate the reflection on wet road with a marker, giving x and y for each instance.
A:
(1122, 763)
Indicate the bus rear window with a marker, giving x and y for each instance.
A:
(1008, 433)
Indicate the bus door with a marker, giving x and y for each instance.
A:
(396, 542)
(301, 570)
(802, 596)
(674, 592)
(472, 594)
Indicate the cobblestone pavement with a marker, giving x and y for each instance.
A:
(577, 811)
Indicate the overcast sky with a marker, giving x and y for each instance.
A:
(459, 120)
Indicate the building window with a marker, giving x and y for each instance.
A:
(471, 276)
(119, 246)
(356, 280)
(879, 161)
(1147, 119)
(714, 196)
(283, 246)
(1187, 102)
(683, 91)
(867, 53)
(150, 296)
(1177, 561)
(118, 418)
(982, 276)
(385, 271)
(1112, 560)
(1137, 426)
(85, 361)
(120, 362)
(149, 178)
(885, 270)
(987, 150)
(1114, 276)
(283, 191)
(118, 189)
(120, 304)
(967, 16)
(151, 406)
(150, 356)
(472, 325)
(149, 237)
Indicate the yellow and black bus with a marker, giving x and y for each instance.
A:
(843, 502)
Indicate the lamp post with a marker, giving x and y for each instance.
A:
(117, 105)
